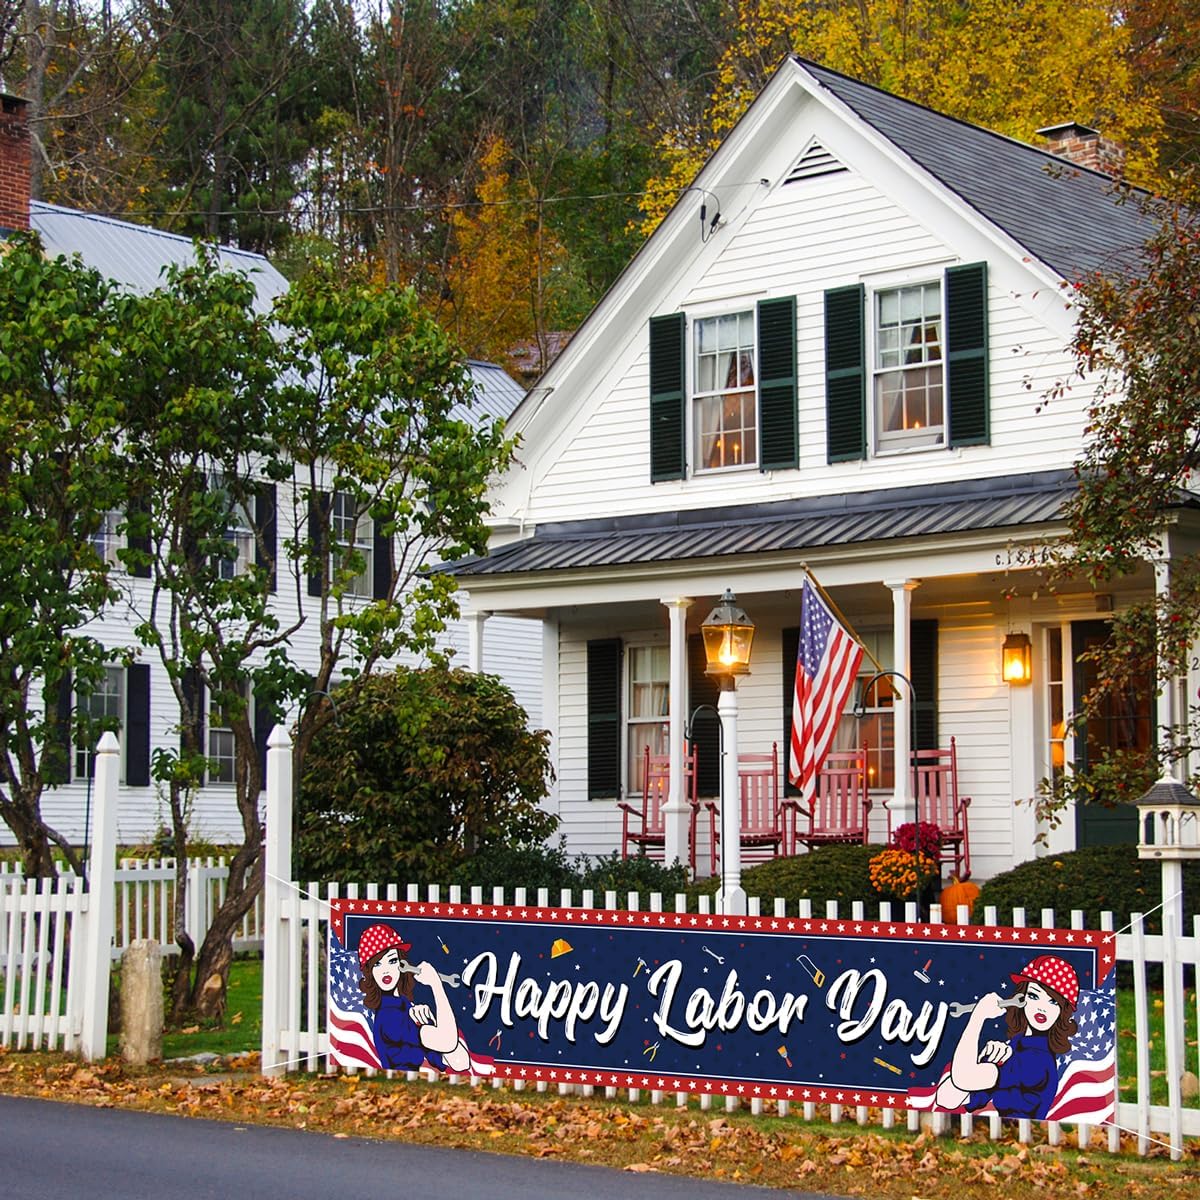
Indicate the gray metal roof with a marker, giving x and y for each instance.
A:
(1065, 215)
(497, 392)
(787, 525)
(137, 255)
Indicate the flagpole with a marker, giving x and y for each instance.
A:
(837, 612)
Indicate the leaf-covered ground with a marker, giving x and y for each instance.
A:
(767, 1150)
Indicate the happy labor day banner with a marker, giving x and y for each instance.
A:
(937, 1017)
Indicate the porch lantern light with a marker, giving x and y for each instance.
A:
(728, 634)
(1017, 660)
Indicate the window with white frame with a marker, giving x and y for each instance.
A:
(103, 707)
(724, 399)
(352, 533)
(909, 404)
(239, 534)
(1056, 704)
(649, 675)
(869, 715)
(222, 750)
(106, 540)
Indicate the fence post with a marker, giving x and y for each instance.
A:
(276, 885)
(101, 915)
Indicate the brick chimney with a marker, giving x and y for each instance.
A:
(1085, 147)
(14, 164)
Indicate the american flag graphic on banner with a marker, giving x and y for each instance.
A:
(351, 1037)
(826, 665)
(1087, 1072)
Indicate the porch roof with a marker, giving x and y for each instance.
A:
(786, 525)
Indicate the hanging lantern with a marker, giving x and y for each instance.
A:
(1017, 660)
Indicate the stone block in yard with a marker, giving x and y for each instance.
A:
(141, 1003)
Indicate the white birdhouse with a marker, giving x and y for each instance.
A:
(1168, 822)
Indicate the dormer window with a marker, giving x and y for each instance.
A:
(909, 410)
(724, 403)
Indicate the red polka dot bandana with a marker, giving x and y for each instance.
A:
(375, 940)
(1052, 972)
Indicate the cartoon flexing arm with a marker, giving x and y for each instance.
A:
(439, 1026)
(973, 1069)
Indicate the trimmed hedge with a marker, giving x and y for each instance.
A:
(838, 873)
(1094, 879)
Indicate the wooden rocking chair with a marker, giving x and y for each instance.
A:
(841, 803)
(935, 788)
(763, 819)
(649, 830)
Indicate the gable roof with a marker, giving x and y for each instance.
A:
(1066, 215)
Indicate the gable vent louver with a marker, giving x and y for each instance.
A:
(815, 161)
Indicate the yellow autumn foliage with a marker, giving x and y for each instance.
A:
(1010, 67)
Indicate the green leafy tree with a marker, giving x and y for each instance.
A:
(61, 413)
(1137, 343)
(419, 770)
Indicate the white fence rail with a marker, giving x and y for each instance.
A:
(145, 902)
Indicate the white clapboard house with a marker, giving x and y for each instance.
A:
(139, 696)
(834, 353)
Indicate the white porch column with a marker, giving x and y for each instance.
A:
(1028, 741)
(675, 812)
(475, 622)
(901, 803)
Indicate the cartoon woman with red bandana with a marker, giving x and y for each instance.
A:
(1019, 1077)
(407, 1035)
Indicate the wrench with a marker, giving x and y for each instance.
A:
(451, 980)
(712, 955)
(961, 1010)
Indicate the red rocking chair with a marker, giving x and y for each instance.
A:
(763, 827)
(650, 829)
(935, 788)
(841, 803)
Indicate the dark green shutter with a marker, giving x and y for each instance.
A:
(192, 718)
(706, 727)
(265, 717)
(668, 398)
(137, 534)
(604, 718)
(791, 651)
(967, 355)
(777, 433)
(58, 750)
(319, 505)
(845, 375)
(267, 533)
(383, 567)
(923, 648)
(137, 725)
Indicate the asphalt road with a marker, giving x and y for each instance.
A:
(56, 1150)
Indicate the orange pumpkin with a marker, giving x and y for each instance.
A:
(954, 894)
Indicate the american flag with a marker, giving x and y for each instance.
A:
(1087, 1072)
(826, 665)
(1086, 1091)
(351, 1037)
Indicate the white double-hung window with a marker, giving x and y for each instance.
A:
(353, 534)
(908, 379)
(725, 406)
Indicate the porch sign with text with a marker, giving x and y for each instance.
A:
(836, 1011)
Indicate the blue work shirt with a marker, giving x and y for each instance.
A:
(1027, 1081)
(398, 1038)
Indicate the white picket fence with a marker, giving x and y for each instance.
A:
(145, 902)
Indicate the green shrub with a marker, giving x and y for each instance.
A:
(838, 873)
(634, 874)
(509, 867)
(420, 770)
(1094, 879)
